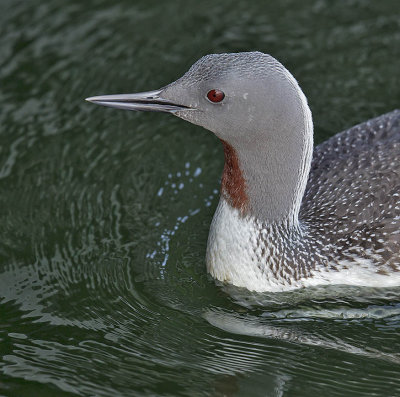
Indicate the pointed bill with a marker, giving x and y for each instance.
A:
(149, 101)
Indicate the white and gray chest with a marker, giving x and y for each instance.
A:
(243, 252)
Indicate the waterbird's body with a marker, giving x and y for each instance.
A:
(288, 216)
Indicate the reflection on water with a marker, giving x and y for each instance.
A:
(104, 215)
(259, 327)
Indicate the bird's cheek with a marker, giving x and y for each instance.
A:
(193, 116)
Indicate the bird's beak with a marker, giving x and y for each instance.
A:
(149, 101)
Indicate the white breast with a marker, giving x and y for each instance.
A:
(235, 256)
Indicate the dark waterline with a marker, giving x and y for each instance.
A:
(104, 214)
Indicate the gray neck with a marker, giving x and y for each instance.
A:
(276, 170)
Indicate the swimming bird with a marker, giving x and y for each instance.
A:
(289, 216)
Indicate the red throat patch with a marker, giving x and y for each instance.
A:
(233, 184)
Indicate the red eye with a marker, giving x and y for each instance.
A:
(215, 95)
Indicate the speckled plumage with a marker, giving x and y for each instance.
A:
(352, 199)
(349, 221)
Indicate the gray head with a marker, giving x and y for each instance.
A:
(255, 106)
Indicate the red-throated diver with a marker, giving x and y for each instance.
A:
(288, 217)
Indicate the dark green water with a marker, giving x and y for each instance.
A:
(104, 214)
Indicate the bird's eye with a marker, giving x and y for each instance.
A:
(215, 95)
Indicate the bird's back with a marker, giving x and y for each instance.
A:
(352, 199)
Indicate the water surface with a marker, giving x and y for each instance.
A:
(104, 214)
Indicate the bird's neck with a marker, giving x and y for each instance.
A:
(267, 179)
